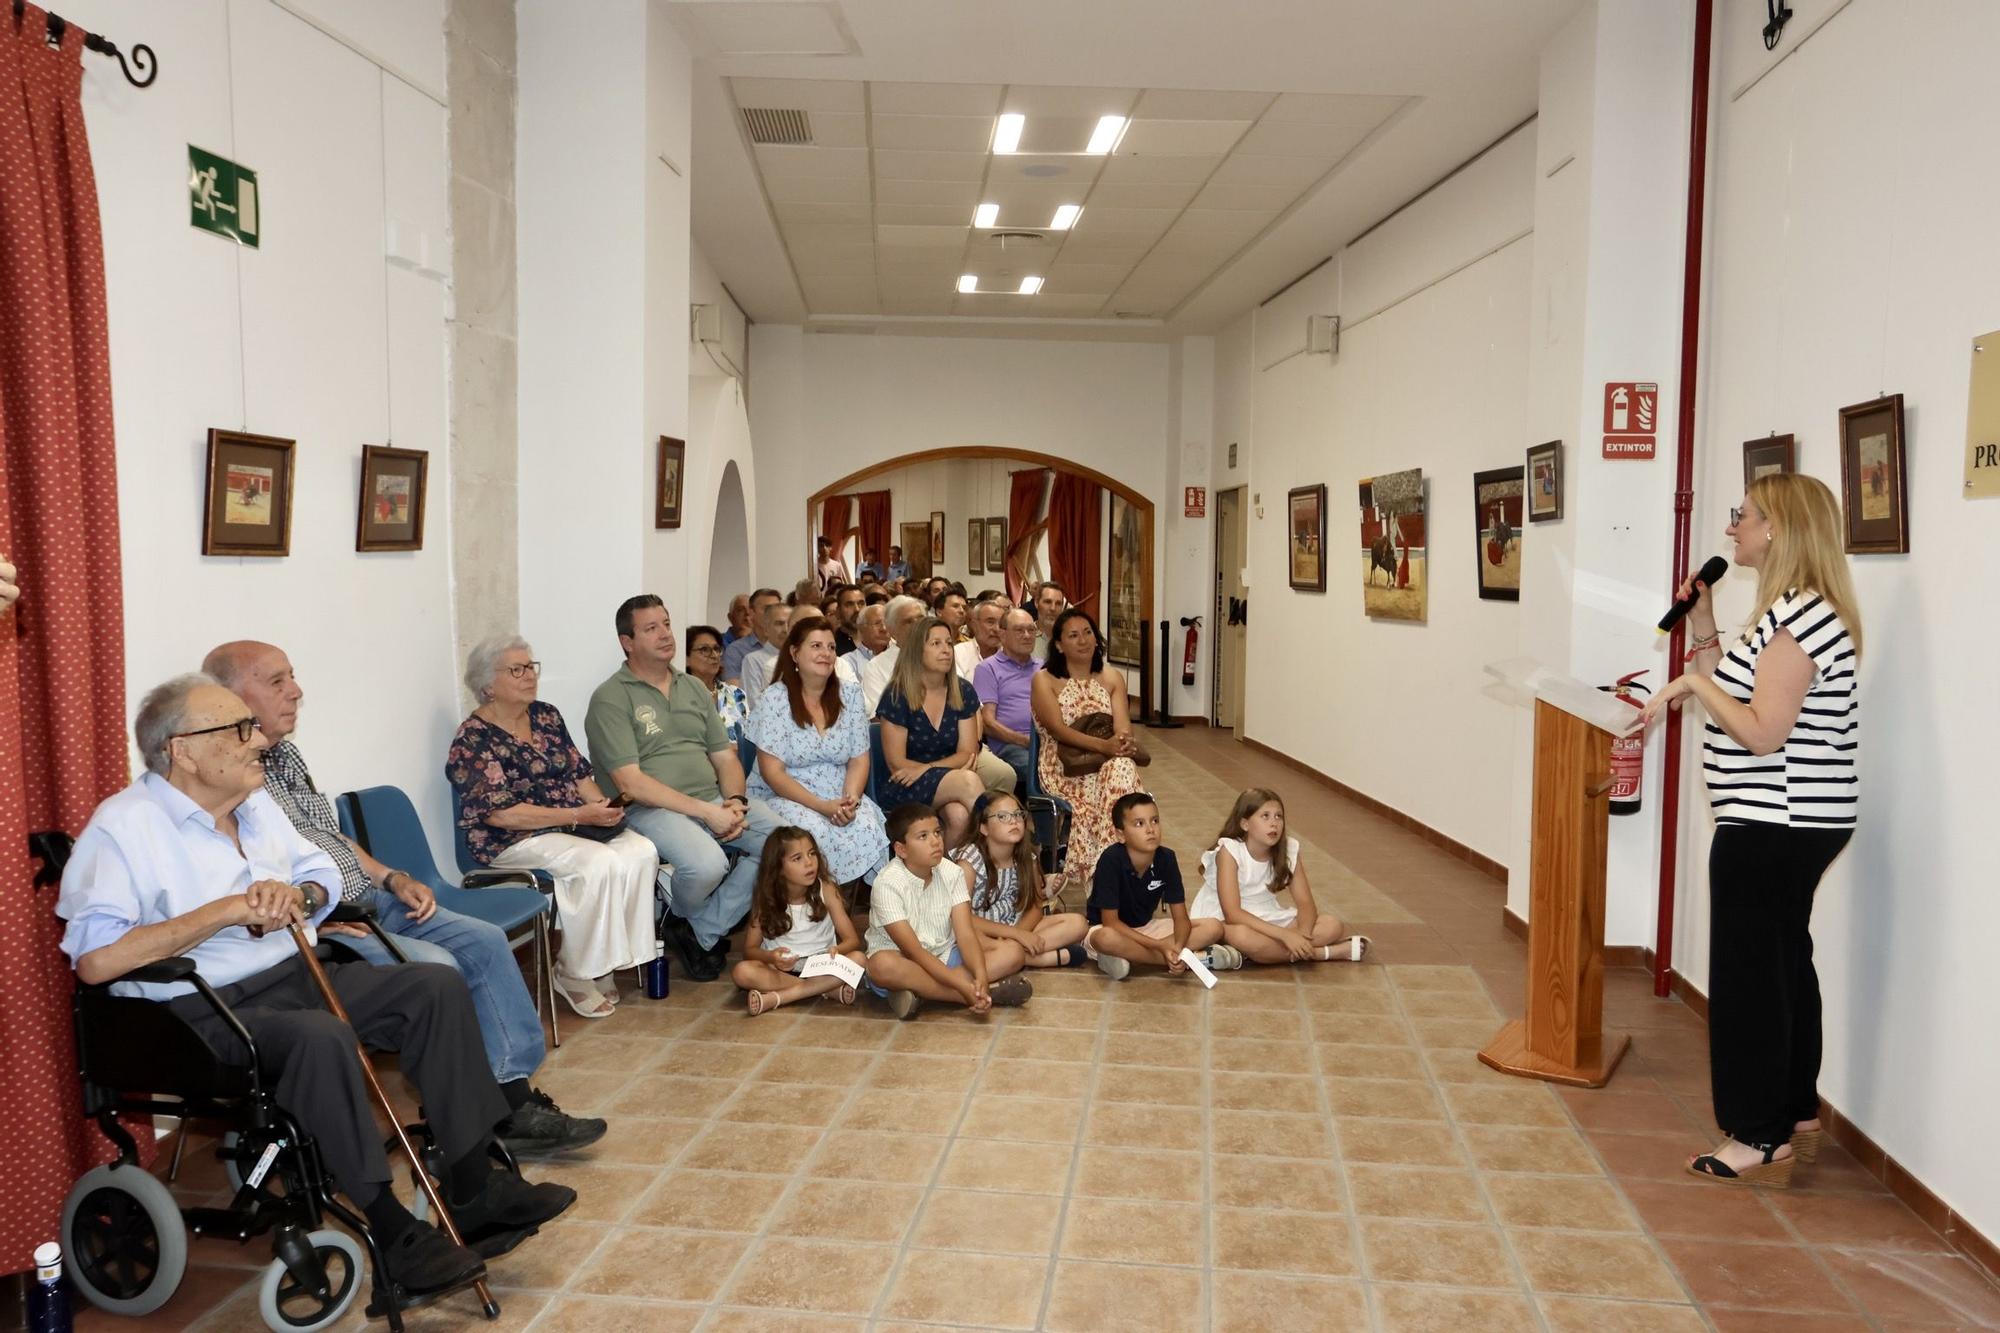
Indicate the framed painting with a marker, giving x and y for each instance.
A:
(996, 545)
(1773, 453)
(1305, 537)
(669, 491)
(917, 550)
(1125, 625)
(937, 539)
(248, 504)
(1395, 574)
(975, 545)
(1874, 478)
(1545, 482)
(1498, 498)
(393, 492)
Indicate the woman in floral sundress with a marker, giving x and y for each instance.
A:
(1074, 684)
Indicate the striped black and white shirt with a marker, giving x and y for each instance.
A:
(1809, 781)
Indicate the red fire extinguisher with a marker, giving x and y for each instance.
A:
(1187, 659)
(1628, 753)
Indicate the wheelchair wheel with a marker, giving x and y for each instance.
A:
(123, 1240)
(286, 1305)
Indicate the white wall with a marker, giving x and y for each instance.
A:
(314, 336)
(1852, 253)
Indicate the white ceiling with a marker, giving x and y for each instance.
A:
(1263, 135)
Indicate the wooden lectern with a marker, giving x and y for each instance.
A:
(1562, 1038)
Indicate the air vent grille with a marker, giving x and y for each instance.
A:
(1026, 237)
(775, 125)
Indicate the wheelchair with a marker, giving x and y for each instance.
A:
(125, 1237)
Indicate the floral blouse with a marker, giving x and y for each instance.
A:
(490, 769)
(733, 707)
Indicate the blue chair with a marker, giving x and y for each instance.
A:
(878, 767)
(384, 822)
(746, 755)
(1051, 814)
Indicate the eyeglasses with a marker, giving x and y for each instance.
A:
(711, 649)
(1007, 816)
(515, 669)
(244, 727)
(1735, 517)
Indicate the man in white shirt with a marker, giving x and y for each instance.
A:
(195, 860)
(985, 640)
(871, 636)
(774, 621)
(1049, 602)
(902, 612)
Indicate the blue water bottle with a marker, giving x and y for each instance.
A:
(656, 972)
(48, 1299)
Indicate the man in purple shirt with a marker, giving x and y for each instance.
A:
(1005, 682)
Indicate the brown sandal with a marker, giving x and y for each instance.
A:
(1805, 1144)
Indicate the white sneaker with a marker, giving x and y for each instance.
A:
(1113, 966)
(1223, 958)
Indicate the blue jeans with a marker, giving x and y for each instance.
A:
(478, 950)
(1016, 757)
(708, 895)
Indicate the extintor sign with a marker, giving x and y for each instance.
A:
(1631, 419)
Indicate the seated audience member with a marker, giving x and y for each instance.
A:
(1005, 683)
(1004, 868)
(1049, 601)
(902, 612)
(1133, 877)
(922, 943)
(898, 569)
(983, 625)
(704, 663)
(749, 642)
(956, 614)
(774, 621)
(871, 636)
(1073, 685)
(812, 756)
(195, 860)
(870, 569)
(830, 568)
(1251, 863)
(934, 592)
(262, 677)
(804, 593)
(874, 594)
(739, 619)
(895, 587)
(527, 800)
(846, 616)
(654, 733)
(930, 733)
(796, 915)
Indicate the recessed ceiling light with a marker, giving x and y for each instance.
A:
(1030, 285)
(1065, 217)
(985, 215)
(1007, 132)
(1110, 129)
(968, 282)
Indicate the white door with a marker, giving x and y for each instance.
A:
(1231, 547)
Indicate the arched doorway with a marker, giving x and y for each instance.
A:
(1142, 506)
(729, 551)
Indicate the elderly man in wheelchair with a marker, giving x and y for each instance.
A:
(181, 892)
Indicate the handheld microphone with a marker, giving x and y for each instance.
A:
(1710, 574)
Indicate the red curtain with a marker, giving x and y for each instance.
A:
(62, 648)
(1024, 502)
(1075, 542)
(833, 520)
(874, 526)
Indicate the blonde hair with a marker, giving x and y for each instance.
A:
(1806, 552)
(909, 678)
(1248, 804)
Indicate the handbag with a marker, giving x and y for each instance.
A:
(1077, 762)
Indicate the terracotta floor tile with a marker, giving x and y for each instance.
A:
(1341, 1060)
(964, 1037)
(1135, 1083)
(1035, 1078)
(1774, 1321)
(1525, 1104)
(1449, 1004)
(1350, 1000)
(1259, 1302)
(1136, 1018)
(994, 1223)
(907, 1159)
(1271, 1134)
(642, 1141)
(1019, 1168)
(1584, 1264)
(829, 1033)
(1258, 1240)
(791, 1274)
(1627, 1112)
(1056, 1012)
(1117, 1298)
(1263, 1092)
(923, 1073)
(1383, 1099)
(1018, 1043)
(596, 1314)
(1572, 1202)
(678, 1095)
(1275, 1182)
(1857, 1221)
(1136, 1125)
(604, 1193)
(1416, 1193)
(1256, 1055)
(806, 1064)
(1162, 1049)
(784, 1104)
(1457, 1256)
(1032, 1119)
(702, 1059)
(1256, 1025)
(896, 1111)
(1770, 1277)
(1134, 1231)
(770, 1150)
(866, 1212)
(775, 1321)
(1445, 1309)
(1403, 1142)
(1575, 1314)
(1654, 1158)
(1706, 1212)
(628, 1264)
(1139, 1173)
(987, 1290)
(707, 1201)
(1918, 1288)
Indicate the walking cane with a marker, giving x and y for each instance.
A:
(318, 974)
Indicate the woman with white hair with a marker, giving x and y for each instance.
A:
(527, 801)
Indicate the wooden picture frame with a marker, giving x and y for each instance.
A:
(996, 546)
(937, 540)
(916, 551)
(1773, 453)
(1542, 488)
(1874, 477)
(247, 501)
(1125, 609)
(394, 490)
(1499, 499)
(1305, 538)
(670, 487)
(975, 545)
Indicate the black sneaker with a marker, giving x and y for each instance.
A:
(696, 962)
(506, 1201)
(539, 1128)
(423, 1259)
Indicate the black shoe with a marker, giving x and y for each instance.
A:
(506, 1201)
(423, 1259)
(539, 1128)
(493, 1243)
(696, 964)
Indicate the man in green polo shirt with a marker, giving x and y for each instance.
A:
(654, 734)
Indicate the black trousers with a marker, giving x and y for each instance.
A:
(421, 1010)
(1763, 994)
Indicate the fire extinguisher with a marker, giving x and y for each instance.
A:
(1628, 753)
(1193, 624)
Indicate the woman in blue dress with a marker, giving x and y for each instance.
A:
(812, 754)
(930, 730)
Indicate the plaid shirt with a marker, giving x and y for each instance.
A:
(291, 786)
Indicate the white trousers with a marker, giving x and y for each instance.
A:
(604, 897)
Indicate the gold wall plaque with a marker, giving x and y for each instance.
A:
(1982, 418)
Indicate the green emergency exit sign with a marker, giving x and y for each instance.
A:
(222, 197)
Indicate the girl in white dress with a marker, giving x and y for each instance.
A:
(795, 913)
(1003, 872)
(1241, 876)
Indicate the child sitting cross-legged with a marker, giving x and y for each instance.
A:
(1251, 863)
(922, 944)
(795, 913)
(1133, 877)
(1002, 862)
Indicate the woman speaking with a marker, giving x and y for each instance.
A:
(1778, 754)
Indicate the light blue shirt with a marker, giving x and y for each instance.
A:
(733, 655)
(150, 854)
(758, 670)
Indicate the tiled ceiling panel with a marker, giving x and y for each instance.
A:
(877, 210)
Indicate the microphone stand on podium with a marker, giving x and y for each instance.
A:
(1562, 1038)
